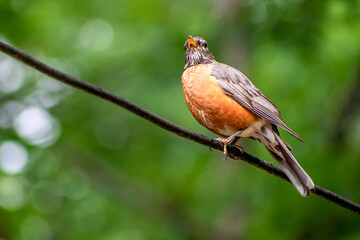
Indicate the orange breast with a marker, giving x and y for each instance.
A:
(210, 106)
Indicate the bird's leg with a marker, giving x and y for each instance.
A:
(227, 140)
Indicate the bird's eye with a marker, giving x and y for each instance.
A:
(203, 43)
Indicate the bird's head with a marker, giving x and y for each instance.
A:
(196, 52)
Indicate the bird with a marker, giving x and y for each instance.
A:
(226, 102)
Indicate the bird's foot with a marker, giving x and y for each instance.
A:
(224, 142)
(231, 139)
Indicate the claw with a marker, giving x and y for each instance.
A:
(241, 149)
(230, 139)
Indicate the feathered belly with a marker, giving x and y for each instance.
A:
(210, 106)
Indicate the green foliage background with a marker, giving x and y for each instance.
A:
(112, 175)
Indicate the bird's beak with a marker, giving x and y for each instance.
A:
(192, 42)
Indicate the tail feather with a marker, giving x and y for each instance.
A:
(291, 175)
(304, 177)
(296, 174)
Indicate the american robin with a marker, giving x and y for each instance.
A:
(226, 102)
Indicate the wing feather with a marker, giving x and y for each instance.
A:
(238, 87)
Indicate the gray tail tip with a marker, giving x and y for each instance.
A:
(305, 192)
(306, 189)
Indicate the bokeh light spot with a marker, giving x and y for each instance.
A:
(11, 76)
(8, 112)
(96, 34)
(37, 126)
(11, 193)
(13, 157)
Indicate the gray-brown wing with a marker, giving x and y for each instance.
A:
(237, 86)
